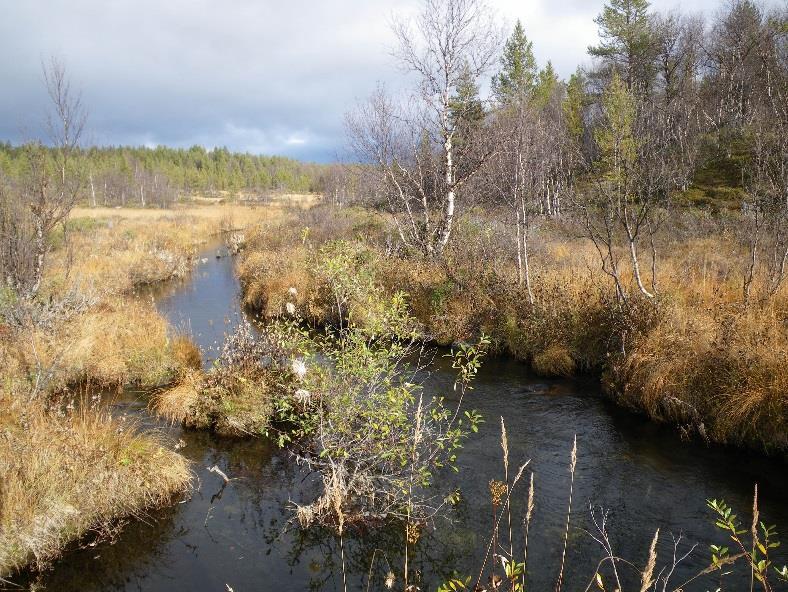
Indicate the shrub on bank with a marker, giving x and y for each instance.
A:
(694, 356)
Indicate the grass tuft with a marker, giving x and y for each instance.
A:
(555, 360)
(65, 477)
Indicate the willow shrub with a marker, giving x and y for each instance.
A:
(357, 417)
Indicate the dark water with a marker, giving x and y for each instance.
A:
(242, 536)
(207, 304)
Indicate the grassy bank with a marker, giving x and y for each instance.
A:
(76, 475)
(69, 474)
(117, 251)
(695, 357)
(237, 396)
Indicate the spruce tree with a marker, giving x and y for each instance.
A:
(517, 76)
(616, 138)
(573, 105)
(546, 83)
(467, 110)
(466, 106)
(626, 41)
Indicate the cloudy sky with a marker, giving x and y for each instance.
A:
(263, 76)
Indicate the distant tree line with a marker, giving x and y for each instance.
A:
(158, 176)
(41, 181)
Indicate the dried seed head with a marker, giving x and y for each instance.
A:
(497, 491)
(530, 510)
(412, 533)
(505, 446)
(299, 368)
(574, 456)
(647, 577)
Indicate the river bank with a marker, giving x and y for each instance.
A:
(72, 472)
(694, 357)
(243, 533)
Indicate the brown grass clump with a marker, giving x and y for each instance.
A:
(228, 403)
(318, 281)
(556, 360)
(241, 407)
(235, 398)
(720, 371)
(65, 477)
(124, 343)
(186, 353)
(178, 403)
(115, 343)
(266, 279)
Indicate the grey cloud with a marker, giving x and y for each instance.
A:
(254, 75)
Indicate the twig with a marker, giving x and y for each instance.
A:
(218, 471)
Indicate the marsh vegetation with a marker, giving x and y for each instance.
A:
(622, 234)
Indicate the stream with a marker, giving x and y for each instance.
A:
(241, 536)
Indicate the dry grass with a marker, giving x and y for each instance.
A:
(122, 343)
(298, 200)
(229, 402)
(720, 371)
(213, 212)
(186, 353)
(117, 250)
(119, 342)
(267, 277)
(178, 403)
(65, 477)
(696, 356)
(555, 360)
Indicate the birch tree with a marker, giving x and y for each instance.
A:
(532, 168)
(613, 208)
(451, 43)
(513, 177)
(49, 188)
(765, 171)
